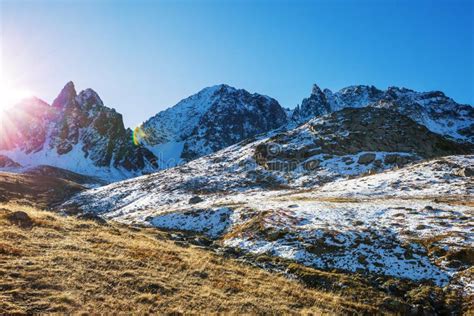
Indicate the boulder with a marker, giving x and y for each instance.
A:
(92, 217)
(195, 199)
(465, 172)
(312, 164)
(378, 163)
(21, 219)
(367, 158)
(390, 159)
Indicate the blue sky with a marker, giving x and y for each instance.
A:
(144, 56)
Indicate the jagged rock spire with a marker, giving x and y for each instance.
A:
(66, 97)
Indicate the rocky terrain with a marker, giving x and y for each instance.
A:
(411, 223)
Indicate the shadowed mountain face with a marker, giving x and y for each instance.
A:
(36, 190)
(436, 111)
(210, 120)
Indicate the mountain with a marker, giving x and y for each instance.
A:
(434, 109)
(343, 144)
(283, 195)
(77, 132)
(212, 119)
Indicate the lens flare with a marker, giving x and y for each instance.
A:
(138, 135)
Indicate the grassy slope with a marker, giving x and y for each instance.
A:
(62, 264)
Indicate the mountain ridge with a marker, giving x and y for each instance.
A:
(433, 109)
(78, 132)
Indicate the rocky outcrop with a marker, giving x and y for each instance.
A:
(356, 131)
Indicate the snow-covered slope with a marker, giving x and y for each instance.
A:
(208, 121)
(346, 143)
(434, 109)
(77, 132)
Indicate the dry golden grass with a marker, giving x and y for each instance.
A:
(62, 264)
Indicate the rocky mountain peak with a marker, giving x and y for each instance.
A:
(32, 103)
(210, 120)
(433, 109)
(316, 91)
(316, 104)
(89, 98)
(67, 97)
(224, 88)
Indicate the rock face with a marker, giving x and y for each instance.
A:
(436, 111)
(367, 158)
(208, 121)
(77, 132)
(363, 131)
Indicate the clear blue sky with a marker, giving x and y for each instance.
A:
(142, 57)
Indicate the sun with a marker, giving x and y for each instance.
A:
(11, 95)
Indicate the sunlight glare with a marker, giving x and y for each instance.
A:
(11, 95)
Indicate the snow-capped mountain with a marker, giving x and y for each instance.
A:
(214, 118)
(434, 109)
(77, 132)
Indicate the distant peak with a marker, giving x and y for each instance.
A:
(66, 96)
(69, 85)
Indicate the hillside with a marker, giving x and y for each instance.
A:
(55, 264)
(349, 143)
(36, 190)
